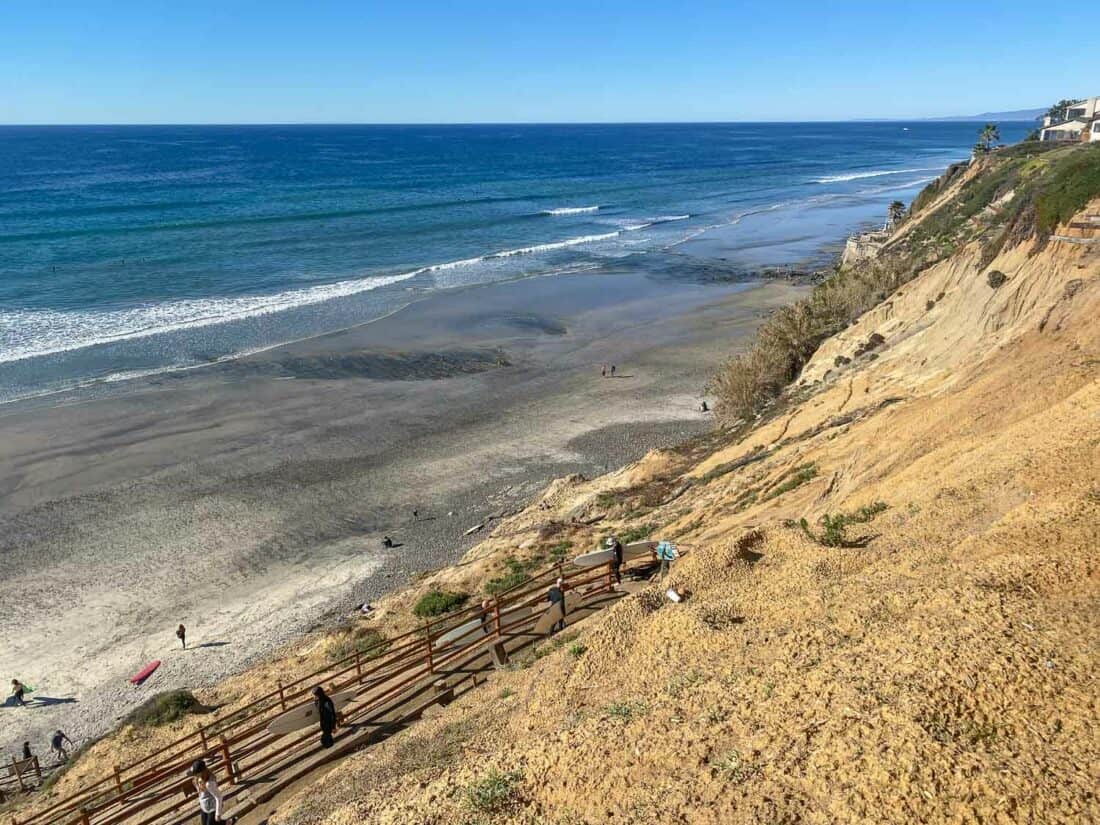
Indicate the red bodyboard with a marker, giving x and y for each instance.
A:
(144, 673)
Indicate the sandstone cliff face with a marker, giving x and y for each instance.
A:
(923, 649)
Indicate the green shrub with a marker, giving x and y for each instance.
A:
(833, 527)
(165, 708)
(517, 574)
(558, 551)
(494, 794)
(792, 480)
(626, 710)
(438, 602)
(577, 649)
(367, 641)
(638, 533)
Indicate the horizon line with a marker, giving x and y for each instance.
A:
(938, 119)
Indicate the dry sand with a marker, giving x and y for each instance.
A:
(249, 500)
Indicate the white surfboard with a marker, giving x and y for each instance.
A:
(306, 715)
(467, 632)
(632, 551)
(574, 601)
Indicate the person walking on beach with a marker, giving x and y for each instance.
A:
(603, 371)
(17, 690)
(326, 715)
(27, 751)
(57, 745)
(181, 634)
(616, 548)
(210, 795)
(612, 370)
(666, 554)
(556, 594)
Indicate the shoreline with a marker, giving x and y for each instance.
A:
(250, 504)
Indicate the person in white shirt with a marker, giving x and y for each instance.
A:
(210, 795)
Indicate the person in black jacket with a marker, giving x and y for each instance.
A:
(326, 715)
(616, 548)
(556, 594)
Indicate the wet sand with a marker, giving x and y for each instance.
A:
(248, 500)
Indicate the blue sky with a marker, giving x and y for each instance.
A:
(241, 61)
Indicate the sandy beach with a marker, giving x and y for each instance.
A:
(248, 500)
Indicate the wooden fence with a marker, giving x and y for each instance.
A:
(394, 682)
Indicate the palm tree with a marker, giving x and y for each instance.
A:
(989, 137)
(896, 211)
(1057, 112)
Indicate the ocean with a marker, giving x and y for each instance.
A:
(136, 250)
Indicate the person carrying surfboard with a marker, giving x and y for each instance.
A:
(666, 554)
(326, 715)
(556, 594)
(210, 795)
(616, 548)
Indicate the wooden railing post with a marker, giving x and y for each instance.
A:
(202, 738)
(358, 666)
(228, 762)
(282, 696)
(496, 614)
(428, 638)
(118, 779)
(37, 769)
(16, 768)
(84, 818)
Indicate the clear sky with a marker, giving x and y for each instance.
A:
(410, 61)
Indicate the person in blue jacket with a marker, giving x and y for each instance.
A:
(666, 554)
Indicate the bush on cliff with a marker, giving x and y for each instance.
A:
(438, 602)
(165, 708)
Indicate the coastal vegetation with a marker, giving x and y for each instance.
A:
(437, 602)
(165, 708)
(1005, 197)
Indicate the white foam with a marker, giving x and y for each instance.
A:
(570, 210)
(877, 173)
(34, 333)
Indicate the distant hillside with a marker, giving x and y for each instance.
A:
(1015, 114)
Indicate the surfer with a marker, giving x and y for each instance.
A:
(616, 548)
(17, 690)
(666, 554)
(57, 744)
(210, 795)
(556, 594)
(181, 634)
(326, 715)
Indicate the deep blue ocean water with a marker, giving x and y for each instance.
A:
(130, 250)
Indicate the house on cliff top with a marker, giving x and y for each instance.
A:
(1078, 122)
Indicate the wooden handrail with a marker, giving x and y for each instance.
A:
(243, 733)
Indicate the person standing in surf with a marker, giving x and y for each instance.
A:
(326, 715)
